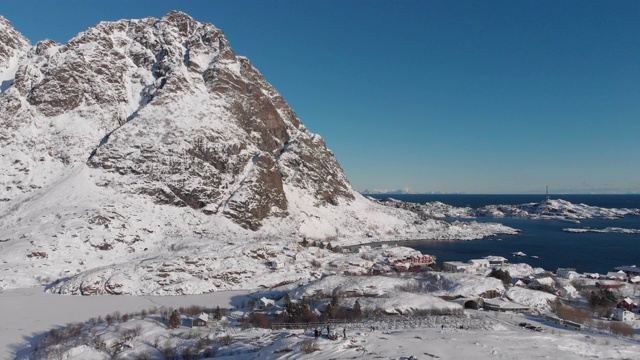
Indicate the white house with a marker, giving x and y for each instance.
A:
(496, 260)
(455, 266)
(276, 264)
(568, 291)
(621, 314)
(264, 304)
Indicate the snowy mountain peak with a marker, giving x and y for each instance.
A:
(139, 136)
(13, 46)
(229, 140)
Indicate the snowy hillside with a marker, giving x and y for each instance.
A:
(144, 156)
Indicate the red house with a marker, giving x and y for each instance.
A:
(625, 303)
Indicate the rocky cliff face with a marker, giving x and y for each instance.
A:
(167, 105)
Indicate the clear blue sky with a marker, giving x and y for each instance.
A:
(450, 96)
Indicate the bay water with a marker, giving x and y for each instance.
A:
(545, 239)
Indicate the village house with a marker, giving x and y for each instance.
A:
(567, 273)
(496, 260)
(264, 304)
(200, 320)
(455, 266)
(622, 314)
(629, 270)
(626, 303)
(544, 282)
(275, 264)
(616, 275)
(634, 279)
(568, 291)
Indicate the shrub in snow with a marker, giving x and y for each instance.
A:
(174, 320)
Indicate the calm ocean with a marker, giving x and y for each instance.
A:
(587, 252)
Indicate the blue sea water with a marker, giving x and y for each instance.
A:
(587, 252)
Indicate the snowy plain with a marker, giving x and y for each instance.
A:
(25, 320)
(29, 313)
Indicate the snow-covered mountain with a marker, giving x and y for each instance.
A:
(404, 190)
(147, 145)
(547, 209)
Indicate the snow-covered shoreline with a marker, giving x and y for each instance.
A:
(617, 230)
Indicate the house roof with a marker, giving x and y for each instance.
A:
(266, 301)
(546, 281)
(504, 304)
(202, 316)
(496, 258)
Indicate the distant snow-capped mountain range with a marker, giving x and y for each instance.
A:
(386, 191)
(146, 155)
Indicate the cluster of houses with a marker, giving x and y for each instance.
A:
(373, 261)
(626, 309)
(474, 264)
(612, 279)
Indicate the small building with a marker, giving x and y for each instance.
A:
(617, 275)
(567, 273)
(200, 320)
(275, 264)
(264, 304)
(500, 304)
(455, 266)
(622, 314)
(634, 279)
(625, 303)
(568, 291)
(496, 260)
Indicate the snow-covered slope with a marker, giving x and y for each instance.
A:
(147, 147)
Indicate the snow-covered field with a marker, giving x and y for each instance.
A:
(28, 313)
(393, 338)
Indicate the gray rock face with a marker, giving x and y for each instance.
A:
(167, 106)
